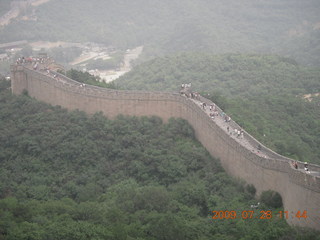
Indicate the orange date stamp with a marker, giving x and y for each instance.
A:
(260, 214)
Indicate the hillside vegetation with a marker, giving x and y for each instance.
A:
(287, 27)
(262, 93)
(66, 175)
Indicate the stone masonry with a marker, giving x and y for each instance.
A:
(266, 170)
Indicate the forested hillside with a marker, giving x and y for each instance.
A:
(66, 175)
(287, 27)
(264, 94)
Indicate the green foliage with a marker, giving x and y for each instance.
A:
(225, 75)
(25, 92)
(4, 84)
(87, 78)
(251, 189)
(271, 199)
(66, 175)
(263, 93)
(286, 123)
(287, 27)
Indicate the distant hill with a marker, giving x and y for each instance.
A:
(263, 93)
(231, 74)
(287, 27)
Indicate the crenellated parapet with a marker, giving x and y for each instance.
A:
(265, 169)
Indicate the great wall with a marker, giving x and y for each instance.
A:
(300, 191)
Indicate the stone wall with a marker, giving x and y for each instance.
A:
(299, 191)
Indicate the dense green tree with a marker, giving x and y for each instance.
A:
(87, 78)
(286, 27)
(264, 94)
(67, 175)
(271, 199)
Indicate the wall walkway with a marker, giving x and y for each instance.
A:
(266, 170)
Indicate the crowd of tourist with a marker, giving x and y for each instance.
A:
(213, 112)
(40, 63)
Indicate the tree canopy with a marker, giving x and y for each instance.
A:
(67, 175)
(286, 27)
(263, 93)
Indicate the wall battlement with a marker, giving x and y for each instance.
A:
(299, 191)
